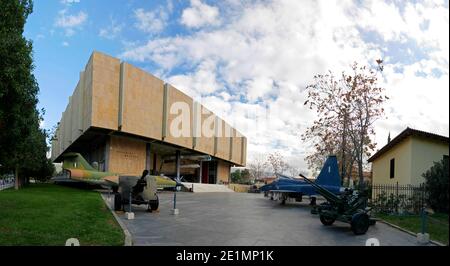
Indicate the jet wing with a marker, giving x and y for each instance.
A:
(282, 191)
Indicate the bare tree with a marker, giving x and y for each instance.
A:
(293, 171)
(329, 132)
(346, 107)
(364, 104)
(257, 167)
(276, 162)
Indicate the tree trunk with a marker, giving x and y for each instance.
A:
(16, 178)
(349, 168)
(360, 171)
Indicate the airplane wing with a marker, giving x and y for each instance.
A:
(283, 191)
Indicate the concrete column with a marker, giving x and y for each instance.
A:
(200, 173)
(121, 95)
(148, 148)
(107, 152)
(178, 162)
(165, 107)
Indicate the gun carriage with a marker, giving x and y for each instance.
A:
(349, 207)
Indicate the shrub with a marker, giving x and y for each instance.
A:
(437, 186)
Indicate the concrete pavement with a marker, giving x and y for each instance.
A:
(233, 219)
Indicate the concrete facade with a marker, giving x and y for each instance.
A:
(127, 120)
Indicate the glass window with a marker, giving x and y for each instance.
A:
(392, 168)
(212, 178)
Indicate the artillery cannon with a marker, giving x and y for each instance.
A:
(127, 190)
(349, 207)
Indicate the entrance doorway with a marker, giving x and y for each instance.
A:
(209, 172)
(205, 172)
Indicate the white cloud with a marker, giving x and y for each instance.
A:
(420, 102)
(426, 23)
(203, 82)
(70, 22)
(111, 31)
(65, 44)
(252, 68)
(42, 124)
(68, 2)
(200, 14)
(151, 21)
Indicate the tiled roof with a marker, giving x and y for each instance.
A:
(405, 134)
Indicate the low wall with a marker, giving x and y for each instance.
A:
(239, 188)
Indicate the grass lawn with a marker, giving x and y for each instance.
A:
(437, 225)
(47, 214)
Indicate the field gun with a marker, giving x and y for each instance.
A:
(349, 207)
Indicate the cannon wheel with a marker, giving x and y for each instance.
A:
(153, 204)
(360, 223)
(117, 202)
(326, 220)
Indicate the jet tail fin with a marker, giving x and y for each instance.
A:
(329, 175)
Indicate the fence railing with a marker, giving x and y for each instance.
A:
(397, 199)
(6, 183)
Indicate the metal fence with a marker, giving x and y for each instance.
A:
(397, 199)
(6, 183)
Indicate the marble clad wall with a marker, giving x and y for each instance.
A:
(77, 111)
(177, 98)
(120, 97)
(126, 156)
(244, 151)
(223, 172)
(105, 91)
(86, 77)
(203, 139)
(142, 96)
(236, 146)
(222, 145)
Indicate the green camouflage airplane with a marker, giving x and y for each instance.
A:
(79, 170)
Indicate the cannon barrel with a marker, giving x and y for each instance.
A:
(330, 196)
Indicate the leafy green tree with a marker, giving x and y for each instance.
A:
(236, 177)
(245, 176)
(241, 176)
(437, 186)
(22, 143)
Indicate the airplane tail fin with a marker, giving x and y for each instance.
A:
(76, 161)
(329, 175)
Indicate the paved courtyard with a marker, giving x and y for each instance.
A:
(233, 219)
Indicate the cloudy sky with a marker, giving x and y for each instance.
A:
(249, 61)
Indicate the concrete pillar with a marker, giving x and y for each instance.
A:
(107, 151)
(121, 95)
(200, 172)
(177, 165)
(148, 148)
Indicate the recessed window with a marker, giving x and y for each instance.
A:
(392, 168)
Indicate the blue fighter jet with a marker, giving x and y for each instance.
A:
(285, 187)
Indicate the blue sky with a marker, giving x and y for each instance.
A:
(60, 54)
(250, 61)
